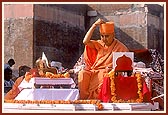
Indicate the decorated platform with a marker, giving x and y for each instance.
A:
(110, 107)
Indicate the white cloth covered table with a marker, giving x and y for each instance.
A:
(46, 81)
(54, 81)
(48, 94)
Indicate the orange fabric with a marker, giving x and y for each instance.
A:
(89, 82)
(15, 90)
(34, 72)
(92, 54)
(90, 79)
(126, 88)
(107, 28)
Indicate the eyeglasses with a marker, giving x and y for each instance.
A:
(106, 36)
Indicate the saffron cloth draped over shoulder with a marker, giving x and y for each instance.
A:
(90, 79)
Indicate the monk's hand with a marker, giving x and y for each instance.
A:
(28, 76)
(99, 21)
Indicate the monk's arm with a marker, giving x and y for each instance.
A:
(88, 35)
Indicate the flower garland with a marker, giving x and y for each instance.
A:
(95, 102)
(52, 75)
(114, 95)
(59, 75)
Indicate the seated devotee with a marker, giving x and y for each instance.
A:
(15, 90)
(40, 70)
(98, 58)
(10, 63)
(8, 82)
(23, 69)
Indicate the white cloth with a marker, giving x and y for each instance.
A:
(56, 81)
(44, 58)
(28, 91)
(24, 84)
(45, 81)
(140, 65)
(143, 70)
(56, 64)
(48, 94)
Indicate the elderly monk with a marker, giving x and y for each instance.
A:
(98, 56)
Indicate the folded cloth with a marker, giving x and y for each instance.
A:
(105, 92)
(140, 65)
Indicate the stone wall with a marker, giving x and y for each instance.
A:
(18, 34)
(58, 29)
(30, 29)
(136, 25)
(58, 32)
(155, 22)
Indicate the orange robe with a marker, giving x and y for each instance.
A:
(15, 90)
(90, 79)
